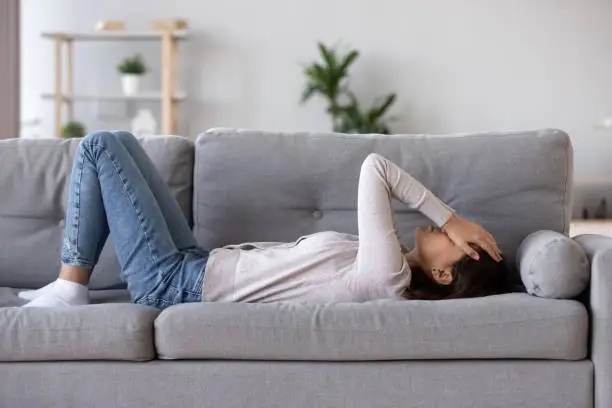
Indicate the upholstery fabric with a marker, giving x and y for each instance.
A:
(552, 265)
(33, 187)
(8, 297)
(504, 326)
(96, 332)
(256, 186)
(599, 250)
(274, 384)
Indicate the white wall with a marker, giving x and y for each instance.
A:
(457, 65)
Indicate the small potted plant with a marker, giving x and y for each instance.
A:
(73, 129)
(131, 69)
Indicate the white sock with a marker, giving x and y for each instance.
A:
(33, 294)
(60, 293)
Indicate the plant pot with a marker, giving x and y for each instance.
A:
(130, 83)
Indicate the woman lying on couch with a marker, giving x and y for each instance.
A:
(116, 189)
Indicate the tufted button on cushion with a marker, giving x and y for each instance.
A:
(317, 214)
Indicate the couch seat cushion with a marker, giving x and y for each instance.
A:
(100, 331)
(505, 326)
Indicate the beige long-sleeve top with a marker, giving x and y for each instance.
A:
(330, 266)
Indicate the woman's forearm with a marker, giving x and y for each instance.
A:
(410, 191)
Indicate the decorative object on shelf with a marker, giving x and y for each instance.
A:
(169, 24)
(144, 123)
(329, 79)
(73, 129)
(132, 69)
(601, 212)
(169, 96)
(109, 25)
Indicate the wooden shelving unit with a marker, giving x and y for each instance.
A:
(169, 96)
(143, 96)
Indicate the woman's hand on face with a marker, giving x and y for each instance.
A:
(464, 232)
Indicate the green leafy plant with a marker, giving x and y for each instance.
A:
(329, 79)
(354, 120)
(73, 129)
(133, 65)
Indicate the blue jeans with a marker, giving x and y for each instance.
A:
(115, 188)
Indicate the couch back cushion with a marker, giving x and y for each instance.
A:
(34, 175)
(262, 186)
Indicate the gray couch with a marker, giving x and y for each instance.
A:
(511, 350)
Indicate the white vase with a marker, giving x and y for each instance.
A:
(130, 83)
(144, 123)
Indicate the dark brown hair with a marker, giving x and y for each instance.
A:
(471, 278)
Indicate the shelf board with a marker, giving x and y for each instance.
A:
(118, 35)
(144, 97)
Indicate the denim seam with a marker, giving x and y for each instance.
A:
(131, 200)
(74, 240)
(76, 261)
(187, 291)
(200, 280)
(148, 301)
(166, 279)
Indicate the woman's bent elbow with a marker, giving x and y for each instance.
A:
(374, 161)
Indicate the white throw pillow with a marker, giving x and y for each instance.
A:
(553, 265)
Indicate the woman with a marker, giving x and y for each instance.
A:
(115, 189)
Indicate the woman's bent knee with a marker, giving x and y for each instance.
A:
(99, 139)
(125, 136)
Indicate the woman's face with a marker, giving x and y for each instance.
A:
(436, 251)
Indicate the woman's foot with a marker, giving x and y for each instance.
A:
(33, 294)
(60, 292)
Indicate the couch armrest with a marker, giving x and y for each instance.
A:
(599, 251)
